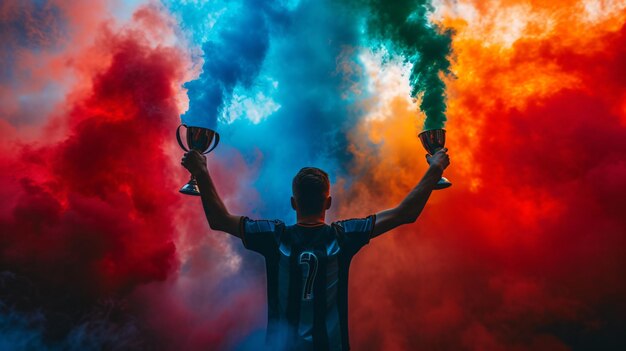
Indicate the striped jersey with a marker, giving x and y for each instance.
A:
(307, 279)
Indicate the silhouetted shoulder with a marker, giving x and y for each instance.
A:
(261, 235)
(354, 233)
(356, 224)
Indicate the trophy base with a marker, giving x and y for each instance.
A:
(442, 184)
(191, 188)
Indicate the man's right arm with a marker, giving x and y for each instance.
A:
(411, 207)
(216, 212)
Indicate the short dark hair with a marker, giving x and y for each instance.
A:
(310, 188)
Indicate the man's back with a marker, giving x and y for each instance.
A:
(307, 279)
(307, 265)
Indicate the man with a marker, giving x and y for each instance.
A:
(307, 263)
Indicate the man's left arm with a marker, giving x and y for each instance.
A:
(411, 207)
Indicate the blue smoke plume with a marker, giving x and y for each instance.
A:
(281, 63)
(233, 54)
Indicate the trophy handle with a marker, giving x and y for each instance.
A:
(180, 141)
(215, 142)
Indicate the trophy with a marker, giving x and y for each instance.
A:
(433, 141)
(199, 139)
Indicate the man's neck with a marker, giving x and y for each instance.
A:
(311, 219)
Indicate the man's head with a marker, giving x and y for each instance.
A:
(311, 189)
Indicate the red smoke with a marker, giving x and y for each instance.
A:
(527, 250)
(93, 212)
(89, 207)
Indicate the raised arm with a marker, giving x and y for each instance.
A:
(216, 212)
(410, 208)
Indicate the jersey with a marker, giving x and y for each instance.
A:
(307, 279)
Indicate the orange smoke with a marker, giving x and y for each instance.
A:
(526, 250)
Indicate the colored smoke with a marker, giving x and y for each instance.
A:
(404, 28)
(233, 56)
(88, 217)
(524, 252)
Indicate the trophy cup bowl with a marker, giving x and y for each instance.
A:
(434, 140)
(203, 140)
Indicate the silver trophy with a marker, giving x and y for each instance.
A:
(433, 141)
(203, 140)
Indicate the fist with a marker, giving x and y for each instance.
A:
(439, 159)
(194, 161)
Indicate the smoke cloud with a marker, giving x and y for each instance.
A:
(89, 217)
(233, 56)
(525, 251)
(404, 28)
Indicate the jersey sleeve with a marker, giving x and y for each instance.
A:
(355, 233)
(261, 235)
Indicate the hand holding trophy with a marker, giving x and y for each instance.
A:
(434, 140)
(199, 139)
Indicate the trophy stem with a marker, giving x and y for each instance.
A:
(191, 188)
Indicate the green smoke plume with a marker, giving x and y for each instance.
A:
(402, 26)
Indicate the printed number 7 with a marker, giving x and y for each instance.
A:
(310, 260)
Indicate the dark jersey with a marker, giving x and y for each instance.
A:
(307, 279)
